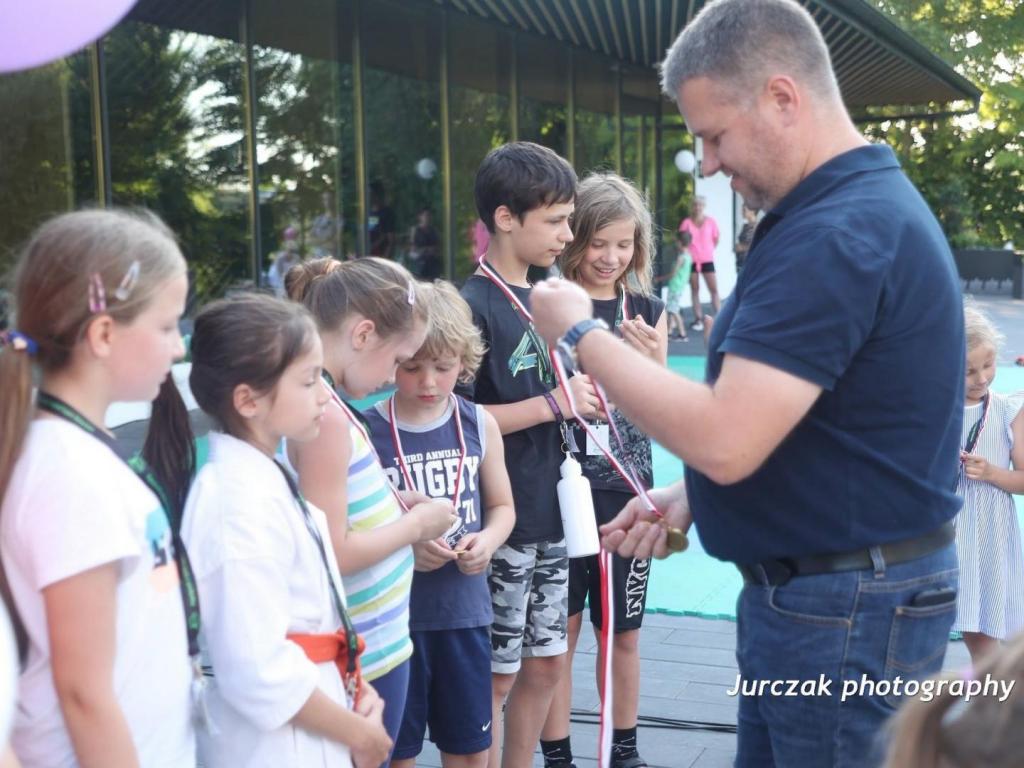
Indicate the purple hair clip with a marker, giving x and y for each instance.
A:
(410, 296)
(97, 296)
(19, 342)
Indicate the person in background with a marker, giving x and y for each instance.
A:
(703, 232)
(746, 236)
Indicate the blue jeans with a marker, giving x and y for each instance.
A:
(846, 632)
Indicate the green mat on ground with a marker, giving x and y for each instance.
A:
(696, 584)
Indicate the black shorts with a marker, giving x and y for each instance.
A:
(629, 575)
(707, 266)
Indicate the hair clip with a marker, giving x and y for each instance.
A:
(19, 342)
(97, 296)
(410, 296)
(127, 285)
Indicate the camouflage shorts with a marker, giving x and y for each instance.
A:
(530, 595)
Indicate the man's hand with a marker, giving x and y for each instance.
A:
(557, 305)
(635, 532)
(431, 555)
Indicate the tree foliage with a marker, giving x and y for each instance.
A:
(970, 169)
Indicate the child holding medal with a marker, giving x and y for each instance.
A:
(370, 319)
(990, 601)
(439, 444)
(610, 257)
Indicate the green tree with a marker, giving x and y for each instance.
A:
(970, 169)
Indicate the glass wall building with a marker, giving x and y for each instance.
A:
(329, 126)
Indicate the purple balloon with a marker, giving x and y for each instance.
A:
(34, 32)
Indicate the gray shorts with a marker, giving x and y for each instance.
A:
(530, 596)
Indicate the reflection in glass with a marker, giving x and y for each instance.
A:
(543, 89)
(46, 151)
(480, 119)
(403, 125)
(177, 144)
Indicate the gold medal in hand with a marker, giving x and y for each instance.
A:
(675, 539)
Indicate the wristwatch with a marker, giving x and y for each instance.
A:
(572, 337)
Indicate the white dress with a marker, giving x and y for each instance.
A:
(988, 540)
(261, 577)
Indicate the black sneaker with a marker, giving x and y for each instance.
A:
(633, 761)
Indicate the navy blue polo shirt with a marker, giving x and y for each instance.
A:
(849, 284)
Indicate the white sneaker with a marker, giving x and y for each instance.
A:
(697, 325)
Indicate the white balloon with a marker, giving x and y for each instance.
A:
(426, 168)
(34, 32)
(685, 161)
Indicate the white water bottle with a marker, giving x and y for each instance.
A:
(577, 507)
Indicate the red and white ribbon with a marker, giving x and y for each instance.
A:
(397, 440)
(604, 557)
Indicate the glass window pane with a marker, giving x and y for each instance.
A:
(480, 68)
(46, 151)
(403, 133)
(177, 141)
(305, 139)
(595, 110)
(543, 88)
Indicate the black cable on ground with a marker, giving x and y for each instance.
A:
(657, 723)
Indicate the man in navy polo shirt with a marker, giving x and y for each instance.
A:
(822, 451)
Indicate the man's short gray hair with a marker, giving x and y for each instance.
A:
(742, 42)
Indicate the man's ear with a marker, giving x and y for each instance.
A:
(99, 335)
(504, 218)
(246, 401)
(362, 333)
(783, 97)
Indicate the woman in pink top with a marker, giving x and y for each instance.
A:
(704, 233)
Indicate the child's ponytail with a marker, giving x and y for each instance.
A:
(16, 403)
(170, 449)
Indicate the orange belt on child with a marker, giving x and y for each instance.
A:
(334, 647)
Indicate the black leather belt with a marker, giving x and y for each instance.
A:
(778, 571)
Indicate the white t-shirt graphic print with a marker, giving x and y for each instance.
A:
(73, 505)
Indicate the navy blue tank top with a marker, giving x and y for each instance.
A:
(445, 598)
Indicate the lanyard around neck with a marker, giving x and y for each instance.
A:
(355, 422)
(974, 435)
(187, 582)
(543, 368)
(397, 440)
(351, 639)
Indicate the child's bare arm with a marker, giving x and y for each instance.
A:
(513, 417)
(1009, 480)
(498, 509)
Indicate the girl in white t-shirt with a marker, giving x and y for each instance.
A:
(275, 626)
(86, 546)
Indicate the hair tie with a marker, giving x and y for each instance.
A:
(410, 296)
(19, 342)
(97, 296)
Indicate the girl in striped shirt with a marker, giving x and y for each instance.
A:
(369, 321)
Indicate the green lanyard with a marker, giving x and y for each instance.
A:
(187, 582)
(351, 639)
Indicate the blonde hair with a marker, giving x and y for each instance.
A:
(602, 199)
(60, 274)
(979, 328)
(986, 731)
(452, 330)
(378, 289)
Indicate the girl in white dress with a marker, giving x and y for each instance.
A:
(286, 690)
(990, 604)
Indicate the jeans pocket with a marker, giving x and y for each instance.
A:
(796, 602)
(917, 643)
